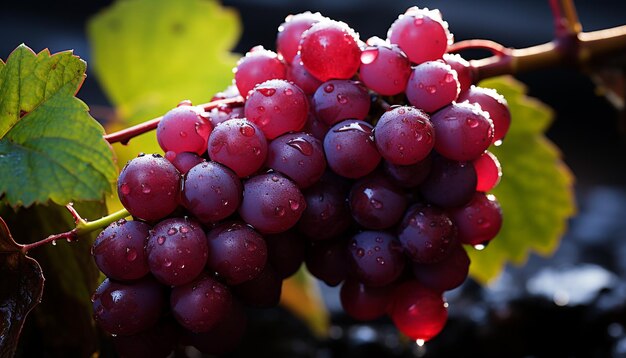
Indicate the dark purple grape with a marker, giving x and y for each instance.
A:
(376, 203)
(297, 74)
(446, 274)
(200, 304)
(493, 103)
(119, 250)
(449, 183)
(327, 213)
(291, 30)
(177, 251)
(128, 308)
(338, 100)
(424, 27)
(211, 192)
(262, 291)
(258, 65)
(157, 341)
(271, 203)
(330, 49)
(300, 156)
(385, 69)
(462, 68)
(236, 252)
(417, 311)
(240, 145)
(277, 107)
(479, 221)
(463, 131)
(364, 303)
(404, 135)
(327, 260)
(148, 187)
(225, 334)
(285, 252)
(184, 161)
(432, 85)
(185, 128)
(376, 257)
(350, 149)
(427, 234)
(315, 127)
(408, 176)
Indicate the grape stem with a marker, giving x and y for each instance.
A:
(570, 47)
(127, 134)
(82, 227)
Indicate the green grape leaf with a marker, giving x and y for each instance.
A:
(151, 54)
(301, 295)
(71, 278)
(50, 147)
(536, 191)
(21, 287)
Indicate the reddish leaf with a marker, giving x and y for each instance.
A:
(21, 288)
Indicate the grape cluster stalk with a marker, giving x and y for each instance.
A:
(366, 162)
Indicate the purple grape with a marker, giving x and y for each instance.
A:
(376, 203)
(488, 171)
(376, 258)
(177, 251)
(277, 107)
(258, 65)
(449, 183)
(424, 27)
(315, 127)
(236, 252)
(364, 303)
(300, 156)
(337, 100)
(327, 260)
(185, 128)
(148, 187)
(184, 161)
(404, 135)
(327, 213)
(225, 335)
(119, 250)
(432, 85)
(211, 192)
(350, 149)
(285, 252)
(298, 74)
(271, 203)
(224, 112)
(384, 69)
(291, 30)
(446, 274)
(463, 131)
(262, 291)
(493, 103)
(200, 304)
(240, 145)
(128, 308)
(427, 234)
(408, 176)
(479, 221)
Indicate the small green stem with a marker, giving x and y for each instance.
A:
(82, 227)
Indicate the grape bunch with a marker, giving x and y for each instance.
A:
(366, 161)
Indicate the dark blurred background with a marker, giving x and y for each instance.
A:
(569, 305)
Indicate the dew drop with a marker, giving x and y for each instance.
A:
(183, 134)
(448, 77)
(279, 211)
(256, 150)
(360, 252)
(376, 204)
(161, 240)
(172, 231)
(247, 130)
(125, 189)
(183, 229)
(167, 263)
(431, 89)
(288, 91)
(260, 109)
(380, 260)
(267, 92)
(369, 55)
(329, 88)
(354, 126)
(294, 205)
(302, 145)
(342, 99)
(131, 254)
(471, 122)
(418, 21)
(274, 178)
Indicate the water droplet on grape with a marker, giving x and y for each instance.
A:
(260, 109)
(354, 126)
(274, 178)
(247, 130)
(342, 99)
(131, 254)
(418, 21)
(54, 243)
(172, 231)
(302, 145)
(161, 240)
(288, 91)
(294, 205)
(360, 252)
(183, 134)
(471, 122)
(380, 260)
(267, 92)
(167, 263)
(279, 211)
(431, 89)
(329, 88)
(369, 55)
(448, 77)
(376, 204)
(256, 150)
